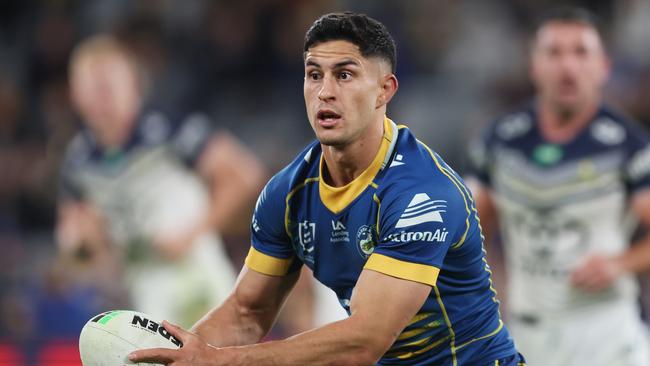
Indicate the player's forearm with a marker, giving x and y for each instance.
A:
(230, 325)
(636, 259)
(346, 342)
(249, 312)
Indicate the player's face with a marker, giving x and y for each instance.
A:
(343, 91)
(104, 88)
(569, 65)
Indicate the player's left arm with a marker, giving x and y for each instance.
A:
(381, 307)
(234, 176)
(600, 271)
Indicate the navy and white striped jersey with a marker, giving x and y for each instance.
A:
(558, 203)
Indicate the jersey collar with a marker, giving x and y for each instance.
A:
(338, 198)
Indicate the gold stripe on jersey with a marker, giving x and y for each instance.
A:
(405, 270)
(417, 331)
(463, 193)
(405, 355)
(406, 341)
(418, 317)
(376, 199)
(338, 198)
(494, 332)
(452, 334)
(266, 264)
(286, 202)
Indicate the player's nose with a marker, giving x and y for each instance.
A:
(327, 89)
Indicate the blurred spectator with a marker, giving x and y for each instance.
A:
(239, 61)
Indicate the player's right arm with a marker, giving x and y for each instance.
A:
(599, 271)
(81, 230)
(249, 312)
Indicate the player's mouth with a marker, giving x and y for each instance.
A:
(568, 85)
(327, 117)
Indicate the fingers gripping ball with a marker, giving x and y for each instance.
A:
(109, 337)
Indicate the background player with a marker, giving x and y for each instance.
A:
(157, 185)
(559, 176)
(377, 216)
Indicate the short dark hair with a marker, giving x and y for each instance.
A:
(569, 14)
(368, 34)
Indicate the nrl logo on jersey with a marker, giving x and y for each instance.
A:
(421, 209)
(306, 238)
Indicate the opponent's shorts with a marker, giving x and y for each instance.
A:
(184, 290)
(611, 335)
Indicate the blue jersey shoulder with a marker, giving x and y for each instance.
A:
(421, 193)
(270, 233)
(304, 166)
(608, 131)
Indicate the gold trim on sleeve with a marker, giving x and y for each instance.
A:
(405, 270)
(266, 264)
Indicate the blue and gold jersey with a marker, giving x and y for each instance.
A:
(408, 215)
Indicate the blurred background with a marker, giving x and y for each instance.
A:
(461, 63)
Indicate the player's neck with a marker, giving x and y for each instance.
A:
(561, 126)
(343, 164)
(113, 135)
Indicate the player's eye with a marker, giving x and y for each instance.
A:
(581, 51)
(553, 52)
(314, 75)
(345, 75)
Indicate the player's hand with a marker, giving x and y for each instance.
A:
(176, 243)
(173, 245)
(82, 231)
(193, 352)
(596, 273)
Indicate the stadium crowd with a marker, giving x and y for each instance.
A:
(462, 63)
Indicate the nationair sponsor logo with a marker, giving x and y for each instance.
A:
(421, 209)
(439, 236)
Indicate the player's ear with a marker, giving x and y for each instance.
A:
(388, 84)
(606, 68)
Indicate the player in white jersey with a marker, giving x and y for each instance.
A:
(560, 177)
(157, 186)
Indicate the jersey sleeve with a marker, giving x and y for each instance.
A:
(191, 136)
(478, 154)
(637, 170)
(271, 251)
(69, 188)
(417, 227)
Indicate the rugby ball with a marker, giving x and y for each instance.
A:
(108, 338)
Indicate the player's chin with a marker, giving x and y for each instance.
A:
(330, 139)
(569, 105)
